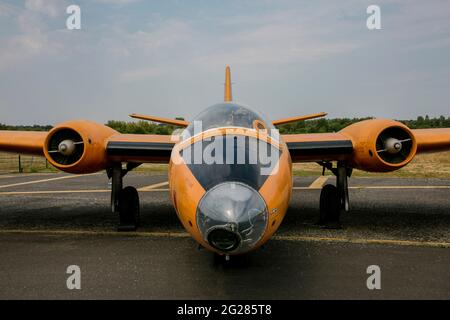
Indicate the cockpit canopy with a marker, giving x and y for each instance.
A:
(227, 115)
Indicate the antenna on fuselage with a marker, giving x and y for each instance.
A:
(228, 96)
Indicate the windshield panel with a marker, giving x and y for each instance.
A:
(227, 115)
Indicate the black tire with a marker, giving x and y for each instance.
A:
(129, 209)
(329, 206)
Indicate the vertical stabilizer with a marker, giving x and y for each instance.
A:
(228, 96)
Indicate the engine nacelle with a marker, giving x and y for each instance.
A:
(78, 146)
(381, 145)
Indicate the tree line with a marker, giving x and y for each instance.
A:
(333, 125)
(310, 126)
(35, 127)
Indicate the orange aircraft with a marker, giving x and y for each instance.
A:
(230, 172)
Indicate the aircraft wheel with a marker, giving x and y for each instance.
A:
(129, 209)
(329, 207)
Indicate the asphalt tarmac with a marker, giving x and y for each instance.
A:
(51, 221)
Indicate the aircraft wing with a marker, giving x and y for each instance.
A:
(25, 142)
(318, 146)
(140, 147)
(82, 146)
(361, 144)
(432, 140)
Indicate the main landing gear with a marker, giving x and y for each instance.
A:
(124, 201)
(334, 199)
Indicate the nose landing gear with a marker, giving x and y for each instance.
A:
(334, 199)
(125, 201)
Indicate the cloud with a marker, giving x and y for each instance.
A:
(303, 48)
(32, 37)
(24, 47)
(420, 25)
(278, 38)
(7, 10)
(152, 53)
(117, 2)
(167, 35)
(279, 42)
(51, 8)
(143, 73)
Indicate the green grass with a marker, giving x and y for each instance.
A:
(9, 163)
(436, 165)
(433, 165)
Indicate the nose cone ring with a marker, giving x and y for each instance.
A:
(232, 217)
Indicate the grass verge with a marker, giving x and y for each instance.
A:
(434, 165)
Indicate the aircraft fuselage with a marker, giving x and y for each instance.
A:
(230, 179)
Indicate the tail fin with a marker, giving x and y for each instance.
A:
(228, 96)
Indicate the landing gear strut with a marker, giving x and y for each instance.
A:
(334, 199)
(124, 201)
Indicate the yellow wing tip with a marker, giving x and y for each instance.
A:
(299, 118)
(175, 122)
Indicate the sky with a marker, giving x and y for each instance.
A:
(167, 58)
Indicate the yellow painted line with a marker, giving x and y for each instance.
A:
(166, 190)
(12, 193)
(319, 182)
(154, 186)
(276, 238)
(366, 241)
(97, 233)
(384, 187)
(45, 180)
(4, 177)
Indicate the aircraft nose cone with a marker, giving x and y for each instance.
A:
(232, 217)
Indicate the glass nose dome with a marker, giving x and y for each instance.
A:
(232, 217)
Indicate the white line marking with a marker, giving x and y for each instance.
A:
(384, 187)
(44, 180)
(16, 193)
(12, 193)
(32, 174)
(154, 186)
(319, 182)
